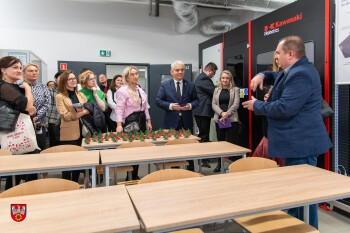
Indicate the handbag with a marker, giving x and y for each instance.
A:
(326, 110)
(132, 122)
(23, 139)
(8, 117)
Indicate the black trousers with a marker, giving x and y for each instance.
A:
(54, 134)
(72, 175)
(108, 126)
(180, 125)
(203, 124)
(112, 125)
(229, 135)
(42, 139)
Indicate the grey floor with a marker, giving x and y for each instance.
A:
(329, 222)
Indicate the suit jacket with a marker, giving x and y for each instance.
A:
(205, 89)
(70, 129)
(295, 125)
(167, 95)
(233, 104)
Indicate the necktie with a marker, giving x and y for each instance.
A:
(178, 91)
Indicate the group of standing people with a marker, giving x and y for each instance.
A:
(293, 125)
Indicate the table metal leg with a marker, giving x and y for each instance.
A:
(93, 177)
(13, 181)
(222, 165)
(149, 168)
(106, 172)
(307, 214)
(200, 166)
(86, 178)
(196, 165)
(115, 175)
(129, 175)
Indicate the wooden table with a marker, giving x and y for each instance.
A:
(105, 209)
(52, 162)
(112, 145)
(162, 154)
(171, 205)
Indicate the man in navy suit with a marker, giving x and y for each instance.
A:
(178, 97)
(295, 128)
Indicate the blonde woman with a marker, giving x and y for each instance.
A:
(132, 102)
(132, 106)
(225, 104)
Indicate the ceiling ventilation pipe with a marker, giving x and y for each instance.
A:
(219, 24)
(188, 15)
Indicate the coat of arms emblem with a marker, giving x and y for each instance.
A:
(18, 212)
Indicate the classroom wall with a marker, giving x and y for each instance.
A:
(78, 30)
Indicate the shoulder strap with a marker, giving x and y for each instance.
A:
(140, 98)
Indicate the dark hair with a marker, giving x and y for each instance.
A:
(58, 74)
(293, 43)
(47, 84)
(211, 66)
(63, 82)
(112, 86)
(83, 70)
(6, 62)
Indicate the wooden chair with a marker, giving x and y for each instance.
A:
(171, 174)
(168, 174)
(4, 152)
(276, 221)
(49, 185)
(60, 148)
(129, 169)
(179, 163)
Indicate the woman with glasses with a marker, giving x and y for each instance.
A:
(70, 133)
(89, 89)
(42, 101)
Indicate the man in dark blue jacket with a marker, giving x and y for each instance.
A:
(203, 114)
(295, 130)
(178, 97)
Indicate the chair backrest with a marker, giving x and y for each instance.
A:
(63, 148)
(135, 144)
(5, 152)
(181, 141)
(49, 185)
(251, 163)
(168, 174)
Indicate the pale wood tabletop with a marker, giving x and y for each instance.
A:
(177, 203)
(59, 160)
(163, 153)
(111, 144)
(106, 209)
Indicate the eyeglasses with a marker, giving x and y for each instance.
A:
(92, 79)
(72, 79)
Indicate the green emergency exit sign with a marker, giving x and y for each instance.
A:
(105, 53)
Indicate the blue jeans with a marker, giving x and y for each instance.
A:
(299, 212)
